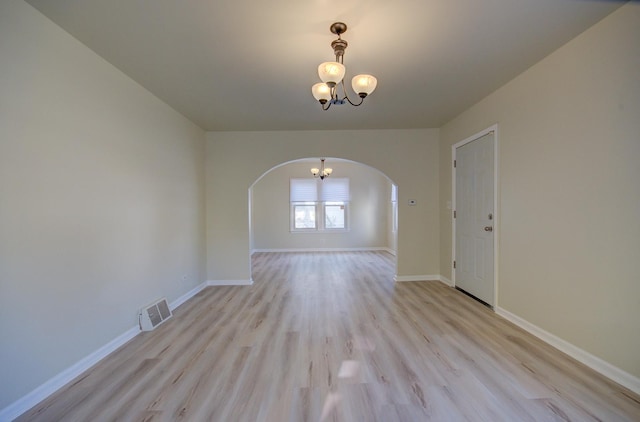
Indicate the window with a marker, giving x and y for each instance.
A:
(304, 215)
(394, 208)
(319, 205)
(334, 215)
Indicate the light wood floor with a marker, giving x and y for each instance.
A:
(329, 336)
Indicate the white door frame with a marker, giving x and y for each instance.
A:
(496, 210)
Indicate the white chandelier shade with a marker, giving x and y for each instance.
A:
(321, 91)
(332, 74)
(364, 84)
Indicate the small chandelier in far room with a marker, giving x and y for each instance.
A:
(321, 172)
(332, 74)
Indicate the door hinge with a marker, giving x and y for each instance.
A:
(454, 264)
(454, 214)
(454, 163)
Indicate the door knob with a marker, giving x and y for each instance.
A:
(488, 229)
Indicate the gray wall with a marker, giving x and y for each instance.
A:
(101, 201)
(368, 209)
(569, 145)
(235, 160)
(102, 195)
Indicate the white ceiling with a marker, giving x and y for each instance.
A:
(249, 65)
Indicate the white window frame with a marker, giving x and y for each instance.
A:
(320, 221)
(345, 206)
(394, 208)
(292, 213)
(320, 202)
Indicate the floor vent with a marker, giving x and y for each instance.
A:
(154, 314)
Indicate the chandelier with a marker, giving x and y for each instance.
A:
(321, 172)
(332, 74)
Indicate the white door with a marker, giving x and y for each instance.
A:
(474, 217)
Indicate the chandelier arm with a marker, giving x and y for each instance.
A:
(346, 97)
(329, 74)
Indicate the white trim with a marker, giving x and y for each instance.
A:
(230, 282)
(378, 248)
(496, 209)
(182, 299)
(403, 278)
(252, 250)
(26, 402)
(605, 368)
(445, 280)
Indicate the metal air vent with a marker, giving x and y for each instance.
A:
(154, 314)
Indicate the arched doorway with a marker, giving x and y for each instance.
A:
(371, 214)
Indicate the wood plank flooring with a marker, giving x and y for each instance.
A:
(330, 337)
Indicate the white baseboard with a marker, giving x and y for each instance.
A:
(54, 384)
(25, 403)
(401, 278)
(230, 282)
(45, 390)
(377, 248)
(446, 281)
(182, 299)
(605, 368)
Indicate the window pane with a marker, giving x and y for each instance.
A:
(334, 215)
(304, 216)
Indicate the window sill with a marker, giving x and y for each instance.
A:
(314, 231)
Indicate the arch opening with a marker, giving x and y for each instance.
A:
(372, 215)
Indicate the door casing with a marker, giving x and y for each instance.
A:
(496, 213)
